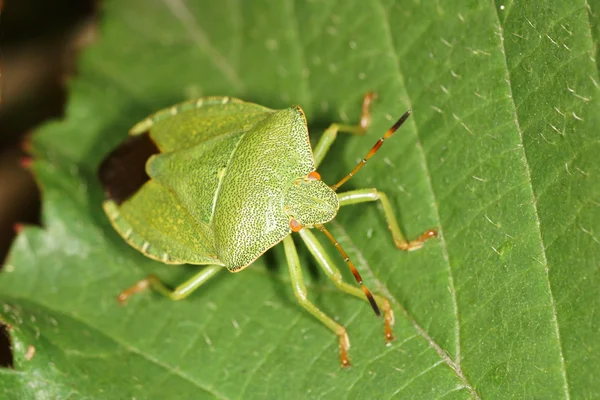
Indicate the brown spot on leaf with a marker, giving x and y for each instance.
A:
(123, 171)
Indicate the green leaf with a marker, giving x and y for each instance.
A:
(500, 155)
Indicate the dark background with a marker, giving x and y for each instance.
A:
(39, 43)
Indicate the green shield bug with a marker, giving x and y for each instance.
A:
(218, 181)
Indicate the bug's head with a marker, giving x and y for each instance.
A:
(309, 201)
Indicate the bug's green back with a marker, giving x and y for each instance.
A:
(169, 217)
(249, 217)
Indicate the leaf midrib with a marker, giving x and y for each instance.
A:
(453, 364)
(535, 208)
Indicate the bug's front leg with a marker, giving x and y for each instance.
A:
(367, 195)
(330, 133)
(291, 255)
(180, 292)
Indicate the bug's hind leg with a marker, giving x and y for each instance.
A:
(323, 259)
(366, 195)
(291, 255)
(330, 133)
(180, 292)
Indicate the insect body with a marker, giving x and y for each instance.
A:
(218, 181)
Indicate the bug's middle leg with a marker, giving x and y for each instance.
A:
(367, 195)
(291, 255)
(180, 292)
(330, 133)
(334, 274)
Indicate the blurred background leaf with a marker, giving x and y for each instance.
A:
(500, 156)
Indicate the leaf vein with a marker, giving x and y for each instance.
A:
(455, 365)
(126, 346)
(535, 209)
(183, 14)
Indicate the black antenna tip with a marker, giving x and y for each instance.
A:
(373, 304)
(404, 117)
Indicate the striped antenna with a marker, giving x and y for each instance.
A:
(373, 150)
(357, 276)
